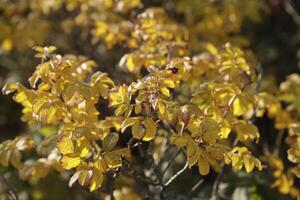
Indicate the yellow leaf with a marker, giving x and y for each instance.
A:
(4, 158)
(121, 109)
(43, 51)
(129, 122)
(168, 83)
(257, 164)
(161, 107)
(283, 119)
(130, 63)
(211, 48)
(23, 143)
(203, 166)
(181, 141)
(238, 107)
(249, 164)
(49, 109)
(110, 141)
(100, 165)
(246, 131)
(84, 147)
(240, 156)
(69, 162)
(138, 109)
(7, 44)
(121, 100)
(96, 180)
(65, 145)
(10, 87)
(137, 131)
(165, 91)
(151, 128)
(193, 154)
(296, 171)
(113, 158)
(15, 158)
(210, 130)
(225, 129)
(83, 176)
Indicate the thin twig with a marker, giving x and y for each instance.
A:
(165, 153)
(111, 188)
(163, 194)
(139, 175)
(10, 190)
(156, 172)
(220, 175)
(177, 174)
(166, 125)
(290, 9)
(260, 73)
(195, 187)
(175, 155)
(278, 142)
(218, 181)
(226, 111)
(170, 162)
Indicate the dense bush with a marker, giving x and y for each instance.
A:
(130, 99)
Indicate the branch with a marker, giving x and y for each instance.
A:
(220, 175)
(217, 181)
(10, 190)
(156, 172)
(170, 162)
(139, 175)
(177, 174)
(175, 155)
(165, 153)
(163, 194)
(167, 126)
(228, 106)
(194, 188)
(290, 9)
(111, 188)
(260, 73)
(278, 142)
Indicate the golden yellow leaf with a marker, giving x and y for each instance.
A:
(203, 166)
(137, 131)
(100, 165)
(15, 158)
(181, 141)
(121, 100)
(96, 180)
(70, 162)
(151, 128)
(10, 87)
(65, 145)
(193, 154)
(165, 91)
(84, 176)
(129, 122)
(246, 131)
(210, 130)
(110, 141)
(249, 164)
(7, 44)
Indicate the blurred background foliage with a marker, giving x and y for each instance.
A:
(268, 30)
